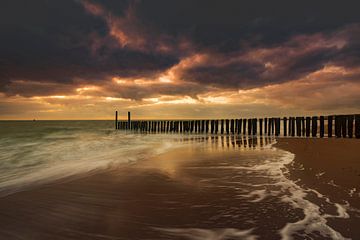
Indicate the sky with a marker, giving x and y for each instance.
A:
(161, 59)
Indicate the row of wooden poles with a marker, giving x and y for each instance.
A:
(337, 125)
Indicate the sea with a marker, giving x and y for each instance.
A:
(251, 192)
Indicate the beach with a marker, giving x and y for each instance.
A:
(222, 187)
(331, 166)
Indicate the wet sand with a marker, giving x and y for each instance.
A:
(189, 193)
(332, 167)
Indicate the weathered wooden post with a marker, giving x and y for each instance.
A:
(337, 126)
(290, 126)
(249, 126)
(227, 126)
(216, 126)
(254, 126)
(343, 125)
(261, 126)
(116, 119)
(232, 126)
(244, 126)
(265, 126)
(330, 124)
(240, 126)
(277, 132)
(129, 121)
(298, 126)
(308, 126)
(314, 126)
(285, 126)
(303, 126)
(322, 126)
(222, 126)
(293, 126)
(350, 125)
(236, 125)
(357, 126)
(272, 126)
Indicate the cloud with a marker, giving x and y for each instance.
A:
(205, 55)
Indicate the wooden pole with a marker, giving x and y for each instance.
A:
(254, 126)
(303, 126)
(298, 126)
(240, 126)
(322, 126)
(249, 126)
(330, 124)
(308, 126)
(314, 126)
(265, 126)
(129, 121)
(350, 125)
(357, 126)
(244, 126)
(343, 125)
(337, 126)
(278, 121)
(227, 126)
(116, 119)
(222, 126)
(261, 126)
(285, 126)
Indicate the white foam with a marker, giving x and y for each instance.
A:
(314, 220)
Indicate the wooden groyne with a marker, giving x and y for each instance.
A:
(346, 126)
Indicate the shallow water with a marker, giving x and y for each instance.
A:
(221, 187)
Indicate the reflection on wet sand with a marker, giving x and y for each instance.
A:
(216, 142)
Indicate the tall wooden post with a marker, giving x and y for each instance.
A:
(303, 126)
(129, 121)
(285, 126)
(350, 125)
(232, 126)
(116, 119)
(254, 126)
(343, 125)
(308, 126)
(261, 126)
(222, 126)
(249, 126)
(337, 126)
(357, 126)
(265, 125)
(227, 126)
(278, 130)
(240, 126)
(314, 126)
(322, 126)
(298, 126)
(330, 125)
(244, 126)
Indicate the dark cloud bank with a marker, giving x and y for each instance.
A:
(243, 44)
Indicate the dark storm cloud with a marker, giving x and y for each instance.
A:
(58, 41)
(246, 43)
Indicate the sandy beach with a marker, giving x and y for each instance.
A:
(188, 193)
(332, 167)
